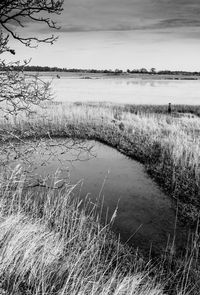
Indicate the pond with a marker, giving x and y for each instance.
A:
(125, 90)
(145, 217)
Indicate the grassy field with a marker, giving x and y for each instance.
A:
(52, 245)
(49, 245)
(177, 110)
(168, 145)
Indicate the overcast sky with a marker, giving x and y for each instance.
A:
(122, 34)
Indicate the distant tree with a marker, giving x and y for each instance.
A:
(117, 71)
(143, 70)
(17, 91)
(153, 71)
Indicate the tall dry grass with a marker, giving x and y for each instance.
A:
(169, 146)
(52, 243)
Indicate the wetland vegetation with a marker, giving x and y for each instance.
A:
(167, 145)
(67, 232)
(53, 241)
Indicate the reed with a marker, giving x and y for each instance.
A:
(168, 146)
(53, 243)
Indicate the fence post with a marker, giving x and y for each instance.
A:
(169, 108)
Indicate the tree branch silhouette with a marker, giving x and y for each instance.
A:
(19, 91)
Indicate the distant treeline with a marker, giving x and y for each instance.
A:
(152, 71)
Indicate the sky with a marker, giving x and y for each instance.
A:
(123, 34)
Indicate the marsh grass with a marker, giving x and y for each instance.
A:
(177, 110)
(52, 243)
(168, 146)
(87, 258)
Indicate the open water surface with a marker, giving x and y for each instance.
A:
(125, 90)
(144, 218)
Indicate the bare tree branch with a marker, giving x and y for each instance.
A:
(19, 92)
(18, 11)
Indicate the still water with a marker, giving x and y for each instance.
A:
(144, 218)
(126, 90)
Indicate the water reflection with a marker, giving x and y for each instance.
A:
(144, 218)
(122, 90)
(151, 83)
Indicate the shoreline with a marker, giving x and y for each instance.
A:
(90, 75)
(143, 137)
(140, 146)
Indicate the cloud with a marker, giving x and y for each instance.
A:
(121, 33)
(126, 15)
(178, 22)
